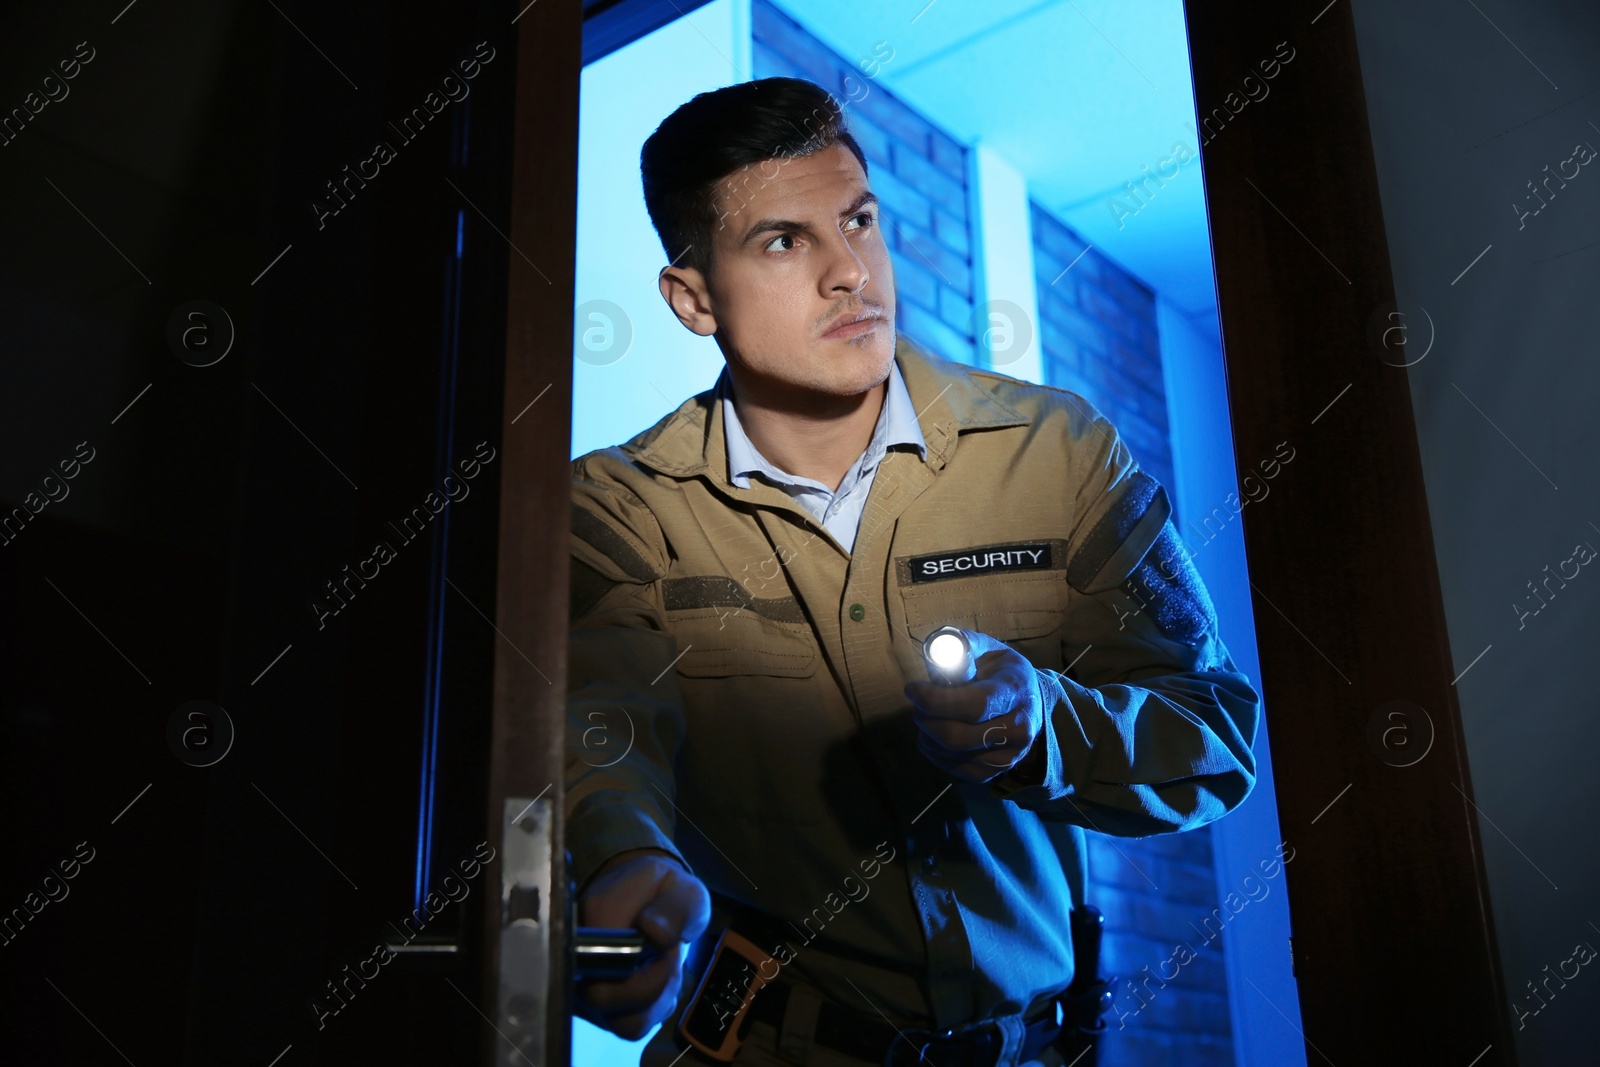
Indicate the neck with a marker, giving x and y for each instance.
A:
(810, 435)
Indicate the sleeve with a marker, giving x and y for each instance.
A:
(625, 719)
(1150, 728)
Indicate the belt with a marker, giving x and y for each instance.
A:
(871, 1038)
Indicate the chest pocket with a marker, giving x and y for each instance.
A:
(1026, 611)
(758, 732)
(723, 631)
(1001, 606)
(738, 643)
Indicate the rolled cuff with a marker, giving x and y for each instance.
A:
(1028, 791)
(611, 822)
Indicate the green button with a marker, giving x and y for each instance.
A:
(857, 612)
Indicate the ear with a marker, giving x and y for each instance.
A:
(685, 291)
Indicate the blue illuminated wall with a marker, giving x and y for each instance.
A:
(1099, 335)
(1097, 327)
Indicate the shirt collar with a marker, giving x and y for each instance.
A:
(946, 396)
(897, 424)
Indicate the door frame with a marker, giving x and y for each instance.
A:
(1388, 891)
(532, 596)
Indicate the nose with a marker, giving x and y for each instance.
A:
(846, 271)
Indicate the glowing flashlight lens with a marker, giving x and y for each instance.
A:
(948, 656)
(947, 650)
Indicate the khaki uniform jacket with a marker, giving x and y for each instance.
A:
(736, 676)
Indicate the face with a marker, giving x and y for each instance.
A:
(799, 246)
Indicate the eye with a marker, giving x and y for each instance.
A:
(780, 237)
(871, 221)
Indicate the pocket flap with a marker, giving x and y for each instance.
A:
(728, 641)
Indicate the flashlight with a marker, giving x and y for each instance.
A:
(949, 656)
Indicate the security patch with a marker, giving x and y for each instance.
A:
(982, 559)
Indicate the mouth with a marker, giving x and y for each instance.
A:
(853, 325)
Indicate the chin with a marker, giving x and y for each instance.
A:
(871, 373)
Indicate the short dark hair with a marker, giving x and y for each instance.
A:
(723, 131)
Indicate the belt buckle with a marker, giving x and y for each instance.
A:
(977, 1047)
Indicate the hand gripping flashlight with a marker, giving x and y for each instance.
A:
(949, 656)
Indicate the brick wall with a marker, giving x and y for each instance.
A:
(917, 170)
(1098, 335)
(1097, 332)
(1156, 893)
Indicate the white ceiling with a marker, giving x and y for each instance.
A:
(1079, 95)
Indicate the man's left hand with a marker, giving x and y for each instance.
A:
(984, 728)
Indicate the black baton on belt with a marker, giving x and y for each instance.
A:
(1089, 995)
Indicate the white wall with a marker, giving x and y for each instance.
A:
(1006, 298)
(615, 393)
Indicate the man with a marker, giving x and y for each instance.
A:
(750, 720)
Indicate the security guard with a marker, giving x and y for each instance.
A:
(752, 741)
